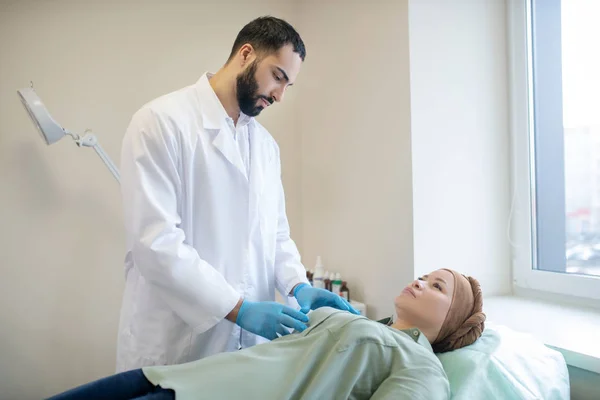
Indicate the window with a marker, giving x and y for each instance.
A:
(555, 122)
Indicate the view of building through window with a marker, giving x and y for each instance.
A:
(581, 120)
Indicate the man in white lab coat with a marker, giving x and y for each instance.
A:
(208, 240)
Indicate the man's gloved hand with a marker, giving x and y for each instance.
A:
(311, 298)
(269, 318)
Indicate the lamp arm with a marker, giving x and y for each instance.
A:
(90, 140)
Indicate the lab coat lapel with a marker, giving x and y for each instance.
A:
(259, 160)
(214, 120)
(226, 145)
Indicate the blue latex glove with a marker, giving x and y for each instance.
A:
(311, 298)
(269, 318)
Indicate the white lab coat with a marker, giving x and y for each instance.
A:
(200, 233)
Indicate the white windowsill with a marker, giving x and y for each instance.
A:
(572, 330)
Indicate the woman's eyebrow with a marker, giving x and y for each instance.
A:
(441, 280)
(437, 279)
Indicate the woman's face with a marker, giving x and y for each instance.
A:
(426, 301)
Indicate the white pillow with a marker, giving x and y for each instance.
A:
(505, 364)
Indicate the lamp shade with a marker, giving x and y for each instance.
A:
(50, 130)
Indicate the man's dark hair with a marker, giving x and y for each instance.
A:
(268, 35)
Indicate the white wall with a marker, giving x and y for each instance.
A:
(460, 141)
(356, 162)
(93, 63)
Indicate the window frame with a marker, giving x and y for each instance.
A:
(524, 219)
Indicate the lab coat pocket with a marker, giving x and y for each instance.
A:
(159, 334)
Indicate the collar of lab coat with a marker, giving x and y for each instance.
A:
(214, 117)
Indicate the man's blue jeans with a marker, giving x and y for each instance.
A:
(123, 386)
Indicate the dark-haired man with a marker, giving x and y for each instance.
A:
(208, 240)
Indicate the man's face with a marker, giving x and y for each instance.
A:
(265, 80)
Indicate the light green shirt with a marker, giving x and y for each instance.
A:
(339, 356)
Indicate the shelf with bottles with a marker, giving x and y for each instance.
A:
(321, 278)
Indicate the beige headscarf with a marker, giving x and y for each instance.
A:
(465, 321)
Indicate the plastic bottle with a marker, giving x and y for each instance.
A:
(344, 291)
(319, 274)
(336, 283)
(327, 280)
(309, 276)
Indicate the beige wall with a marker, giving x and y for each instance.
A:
(93, 63)
(356, 162)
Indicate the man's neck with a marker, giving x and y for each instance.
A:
(223, 84)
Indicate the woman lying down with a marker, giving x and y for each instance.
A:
(339, 356)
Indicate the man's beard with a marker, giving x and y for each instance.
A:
(247, 91)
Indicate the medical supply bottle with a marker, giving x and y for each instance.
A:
(319, 274)
(336, 283)
(309, 276)
(344, 291)
(327, 281)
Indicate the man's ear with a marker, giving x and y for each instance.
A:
(247, 54)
